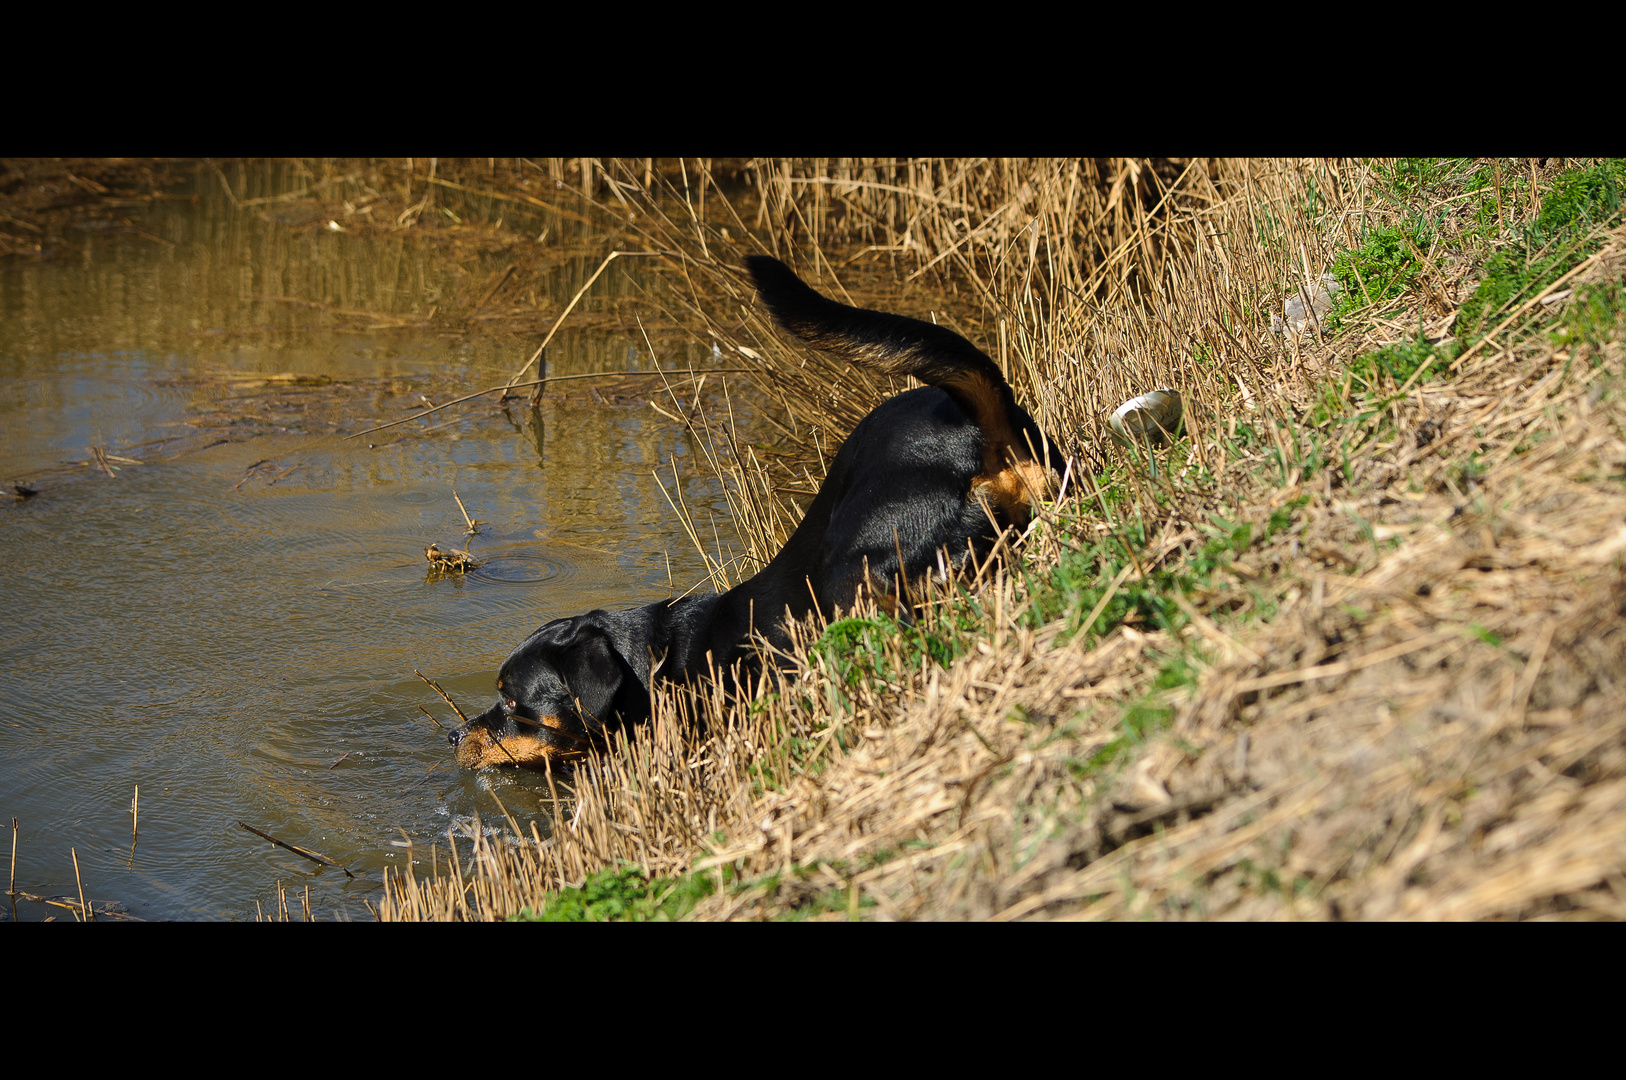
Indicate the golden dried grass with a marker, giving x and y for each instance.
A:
(1428, 725)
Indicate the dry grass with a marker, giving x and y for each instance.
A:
(1398, 696)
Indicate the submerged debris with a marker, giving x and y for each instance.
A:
(449, 562)
(106, 909)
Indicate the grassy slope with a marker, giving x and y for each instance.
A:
(1353, 651)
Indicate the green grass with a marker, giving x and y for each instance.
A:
(1581, 198)
(1408, 178)
(1385, 266)
(1554, 244)
(855, 648)
(622, 894)
(1386, 370)
(1594, 316)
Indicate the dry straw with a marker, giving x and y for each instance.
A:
(1427, 723)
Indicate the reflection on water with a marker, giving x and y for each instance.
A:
(226, 607)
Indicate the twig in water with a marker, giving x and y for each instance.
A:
(286, 472)
(474, 527)
(425, 777)
(435, 686)
(342, 756)
(501, 281)
(249, 472)
(11, 890)
(571, 307)
(315, 857)
(100, 457)
(427, 713)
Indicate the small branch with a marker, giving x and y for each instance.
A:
(572, 306)
(313, 856)
(435, 686)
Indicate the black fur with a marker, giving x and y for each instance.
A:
(901, 482)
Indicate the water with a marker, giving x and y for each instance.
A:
(233, 625)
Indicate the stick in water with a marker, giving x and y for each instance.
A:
(313, 856)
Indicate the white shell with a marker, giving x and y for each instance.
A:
(1150, 418)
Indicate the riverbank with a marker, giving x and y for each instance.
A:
(1351, 652)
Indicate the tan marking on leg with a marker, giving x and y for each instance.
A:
(1016, 489)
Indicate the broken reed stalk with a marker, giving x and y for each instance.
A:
(468, 520)
(87, 914)
(12, 888)
(611, 257)
(135, 823)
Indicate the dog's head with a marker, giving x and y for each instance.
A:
(563, 687)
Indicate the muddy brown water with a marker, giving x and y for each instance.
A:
(232, 625)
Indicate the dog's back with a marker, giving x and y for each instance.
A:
(1016, 456)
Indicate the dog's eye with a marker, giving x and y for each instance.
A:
(510, 704)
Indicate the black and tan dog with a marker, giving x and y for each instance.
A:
(932, 469)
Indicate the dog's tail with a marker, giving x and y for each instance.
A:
(898, 345)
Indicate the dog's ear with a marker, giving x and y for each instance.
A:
(595, 674)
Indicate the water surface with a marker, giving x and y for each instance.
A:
(232, 624)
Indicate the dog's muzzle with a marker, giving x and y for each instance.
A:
(491, 718)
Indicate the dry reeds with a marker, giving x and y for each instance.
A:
(1396, 693)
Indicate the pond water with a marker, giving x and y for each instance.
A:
(231, 619)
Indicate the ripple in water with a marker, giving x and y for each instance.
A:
(521, 568)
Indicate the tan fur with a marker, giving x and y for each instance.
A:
(478, 749)
(987, 408)
(1011, 478)
(1016, 488)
